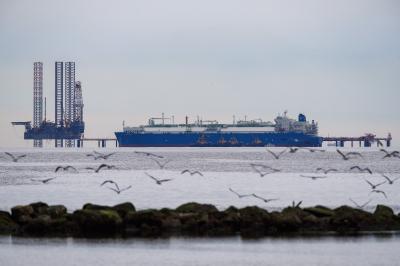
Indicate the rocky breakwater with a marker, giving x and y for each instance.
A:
(191, 219)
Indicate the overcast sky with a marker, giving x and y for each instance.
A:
(336, 61)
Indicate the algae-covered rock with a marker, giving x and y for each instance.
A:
(195, 207)
(386, 218)
(319, 211)
(95, 207)
(22, 214)
(7, 225)
(124, 208)
(97, 222)
(57, 211)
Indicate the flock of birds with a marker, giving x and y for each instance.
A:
(261, 169)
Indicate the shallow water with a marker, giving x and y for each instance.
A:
(223, 168)
(329, 251)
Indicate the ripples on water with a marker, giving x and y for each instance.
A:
(368, 250)
(222, 168)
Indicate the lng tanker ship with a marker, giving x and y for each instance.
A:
(285, 132)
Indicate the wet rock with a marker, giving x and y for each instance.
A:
(319, 211)
(144, 223)
(7, 225)
(195, 207)
(124, 208)
(254, 221)
(57, 211)
(95, 207)
(38, 226)
(350, 220)
(22, 214)
(97, 222)
(39, 208)
(386, 218)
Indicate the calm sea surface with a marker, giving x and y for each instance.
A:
(223, 168)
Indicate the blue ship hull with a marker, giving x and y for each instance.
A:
(217, 139)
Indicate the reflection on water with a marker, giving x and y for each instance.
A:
(362, 250)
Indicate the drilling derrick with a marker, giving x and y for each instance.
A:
(69, 79)
(37, 99)
(59, 97)
(78, 102)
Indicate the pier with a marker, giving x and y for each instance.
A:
(101, 142)
(366, 141)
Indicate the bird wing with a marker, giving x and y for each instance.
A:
(98, 153)
(113, 189)
(9, 154)
(152, 177)
(48, 179)
(159, 164)
(282, 152)
(165, 180)
(21, 156)
(273, 154)
(89, 168)
(341, 153)
(356, 167)
(367, 170)
(381, 183)
(387, 178)
(355, 203)
(107, 181)
(354, 153)
(108, 155)
(372, 185)
(231, 190)
(89, 155)
(197, 172)
(365, 204)
(385, 151)
(101, 167)
(126, 188)
(58, 168)
(70, 167)
(185, 171)
(331, 170)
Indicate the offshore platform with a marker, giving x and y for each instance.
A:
(68, 127)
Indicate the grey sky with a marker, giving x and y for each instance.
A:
(336, 61)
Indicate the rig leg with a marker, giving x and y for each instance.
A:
(352, 144)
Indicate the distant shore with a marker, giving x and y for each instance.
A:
(192, 219)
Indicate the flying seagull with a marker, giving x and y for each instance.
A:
(263, 173)
(240, 195)
(14, 157)
(358, 205)
(390, 181)
(44, 181)
(263, 199)
(326, 171)
(363, 170)
(160, 164)
(390, 154)
(97, 155)
(96, 170)
(378, 191)
(276, 155)
(158, 181)
(348, 155)
(374, 186)
(65, 168)
(191, 172)
(149, 154)
(116, 189)
(293, 150)
(313, 177)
